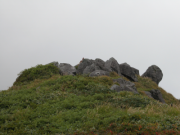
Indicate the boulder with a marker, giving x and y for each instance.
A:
(156, 94)
(100, 65)
(148, 94)
(89, 69)
(99, 73)
(124, 86)
(136, 71)
(67, 69)
(112, 65)
(128, 72)
(83, 64)
(155, 73)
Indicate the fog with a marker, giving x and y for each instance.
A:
(141, 33)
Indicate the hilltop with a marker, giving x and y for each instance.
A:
(93, 97)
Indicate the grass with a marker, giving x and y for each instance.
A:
(85, 105)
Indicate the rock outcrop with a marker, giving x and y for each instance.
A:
(128, 72)
(84, 63)
(99, 73)
(155, 94)
(124, 86)
(112, 65)
(67, 69)
(155, 73)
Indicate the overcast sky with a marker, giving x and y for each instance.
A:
(141, 33)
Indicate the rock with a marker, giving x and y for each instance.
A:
(83, 65)
(124, 86)
(136, 71)
(156, 94)
(89, 69)
(148, 94)
(117, 88)
(67, 69)
(112, 65)
(155, 73)
(99, 73)
(128, 72)
(98, 64)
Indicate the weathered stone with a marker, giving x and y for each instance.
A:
(125, 85)
(67, 69)
(112, 65)
(156, 94)
(136, 71)
(128, 72)
(89, 69)
(83, 65)
(154, 72)
(148, 94)
(99, 73)
(117, 88)
(100, 65)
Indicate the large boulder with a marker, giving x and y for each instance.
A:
(112, 65)
(83, 64)
(148, 94)
(99, 73)
(124, 86)
(154, 72)
(156, 94)
(67, 69)
(98, 64)
(128, 72)
(89, 69)
(136, 71)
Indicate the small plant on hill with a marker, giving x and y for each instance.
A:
(38, 72)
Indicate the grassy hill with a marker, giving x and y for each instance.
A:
(43, 102)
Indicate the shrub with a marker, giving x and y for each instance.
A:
(38, 72)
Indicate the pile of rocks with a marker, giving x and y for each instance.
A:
(99, 67)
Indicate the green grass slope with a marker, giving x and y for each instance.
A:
(58, 105)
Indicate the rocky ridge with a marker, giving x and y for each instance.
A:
(99, 67)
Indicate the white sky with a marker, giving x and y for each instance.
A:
(139, 32)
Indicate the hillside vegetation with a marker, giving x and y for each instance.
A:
(43, 102)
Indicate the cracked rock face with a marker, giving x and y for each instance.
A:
(67, 69)
(155, 94)
(128, 71)
(83, 65)
(99, 73)
(112, 65)
(155, 73)
(124, 86)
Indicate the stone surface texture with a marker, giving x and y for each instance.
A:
(155, 73)
(128, 72)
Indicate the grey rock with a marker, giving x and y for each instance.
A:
(100, 65)
(112, 65)
(148, 94)
(124, 86)
(117, 88)
(99, 73)
(136, 71)
(83, 65)
(128, 72)
(156, 94)
(67, 69)
(154, 72)
(89, 69)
